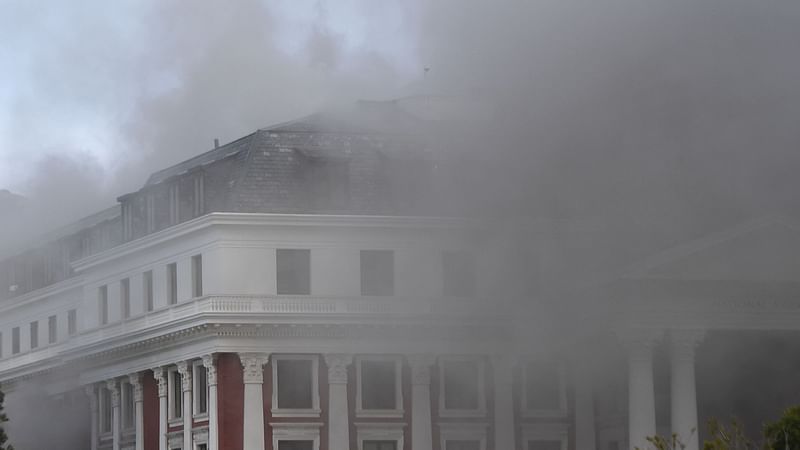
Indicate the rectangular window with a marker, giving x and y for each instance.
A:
(147, 290)
(172, 283)
(462, 445)
(125, 297)
(102, 294)
(544, 445)
(176, 394)
(128, 411)
(200, 389)
(105, 410)
(380, 445)
(461, 385)
(34, 335)
(15, 340)
(295, 445)
(197, 276)
(72, 321)
(295, 383)
(293, 271)
(458, 274)
(377, 272)
(379, 384)
(202, 446)
(542, 387)
(52, 329)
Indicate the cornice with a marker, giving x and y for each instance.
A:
(268, 220)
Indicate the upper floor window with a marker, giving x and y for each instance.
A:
(458, 274)
(200, 388)
(377, 272)
(452, 444)
(175, 397)
(191, 197)
(105, 410)
(293, 271)
(147, 290)
(295, 445)
(172, 283)
(128, 406)
(295, 385)
(72, 321)
(379, 388)
(102, 294)
(15, 340)
(544, 389)
(125, 297)
(380, 445)
(197, 276)
(462, 386)
(52, 329)
(34, 335)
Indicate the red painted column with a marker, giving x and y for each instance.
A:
(150, 405)
(230, 389)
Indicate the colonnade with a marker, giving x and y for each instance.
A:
(641, 391)
(253, 411)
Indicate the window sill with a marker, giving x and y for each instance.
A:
(316, 412)
(200, 417)
(380, 413)
(175, 422)
(462, 413)
(545, 413)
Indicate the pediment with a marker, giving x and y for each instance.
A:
(763, 250)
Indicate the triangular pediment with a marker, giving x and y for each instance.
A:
(763, 250)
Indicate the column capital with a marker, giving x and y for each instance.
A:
(135, 379)
(210, 363)
(639, 342)
(421, 368)
(683, 342)
(113, 388)
(185, 369)
(337, 367)
(253, 365)
(160, 374)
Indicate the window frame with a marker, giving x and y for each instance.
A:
(148, 293)
(546, 432)
(171, 271)
(102, 305)
(52, 329)
(16, 344)
(377, 431)
(127, 407)
(315, 410)
(34, 335)
(481, 410)
(72, 322)
(197, 366)
(172, 419)
(288, 431)
(398, 411)
(197, 275)
(125, 298)
(463, 432)
(103, 395)
(562, 411)
(277, 271)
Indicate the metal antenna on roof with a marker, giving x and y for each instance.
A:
(216, 143)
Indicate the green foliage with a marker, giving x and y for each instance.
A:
(727, 437)
(3, 418)
(785, 433)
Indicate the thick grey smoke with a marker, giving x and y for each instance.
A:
(648, 122)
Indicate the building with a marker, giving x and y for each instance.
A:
(294, 290)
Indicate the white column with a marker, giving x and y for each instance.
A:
(338, 411)
(683, 388)
(160, 374)
(185, 369)
(91, 392)
(138, 398)
(421, 433)
(585, 432)
(503, 403)
(210, 363)
(253, 364)
(113, 388)
(641, 392)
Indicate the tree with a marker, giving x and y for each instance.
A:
(785, 433)
(3, 418)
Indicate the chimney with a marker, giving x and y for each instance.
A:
(216, 143)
